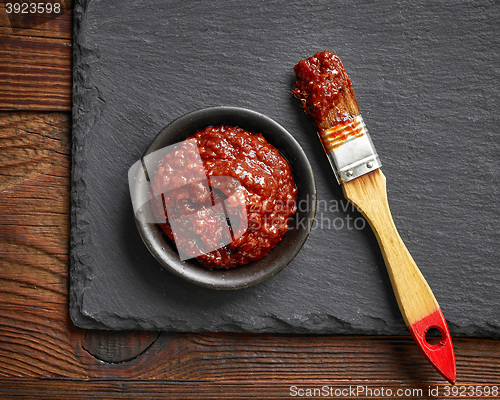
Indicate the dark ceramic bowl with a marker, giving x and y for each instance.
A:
(240, 277)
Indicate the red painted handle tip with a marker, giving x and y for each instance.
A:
(441, 355)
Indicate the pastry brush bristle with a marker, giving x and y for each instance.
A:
(325, 90)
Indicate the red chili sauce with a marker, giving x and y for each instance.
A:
(259, 190)
(325, 90)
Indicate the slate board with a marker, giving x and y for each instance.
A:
(427, 82)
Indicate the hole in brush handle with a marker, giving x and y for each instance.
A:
(434, 336)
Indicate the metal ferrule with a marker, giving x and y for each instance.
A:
(350, 149)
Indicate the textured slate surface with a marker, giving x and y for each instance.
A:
(427, 82)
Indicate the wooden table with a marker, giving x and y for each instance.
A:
(42, 355)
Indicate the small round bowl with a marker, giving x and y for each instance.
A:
(300, 225)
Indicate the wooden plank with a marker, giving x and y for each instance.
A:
(35, 61)
(35, 73)
(34, 230)
(281, 389)
(53, 25)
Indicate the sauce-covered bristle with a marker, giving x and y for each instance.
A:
(325, 90)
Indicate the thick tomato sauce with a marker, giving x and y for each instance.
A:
(257, 184)
(325, 90)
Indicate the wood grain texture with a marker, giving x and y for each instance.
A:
(41, 351)
(119, 346)
(160, 389)
(35, 60)
(53, 25)
(369, 194)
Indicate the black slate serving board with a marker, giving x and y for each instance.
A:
(427, 82)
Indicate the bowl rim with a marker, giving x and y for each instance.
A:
(166, 254)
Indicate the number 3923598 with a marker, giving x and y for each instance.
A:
(33, 8)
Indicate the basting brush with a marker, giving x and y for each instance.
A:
(326, 93)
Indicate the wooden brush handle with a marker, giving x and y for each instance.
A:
(416, 301)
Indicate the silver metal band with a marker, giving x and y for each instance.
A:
(355, 156)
